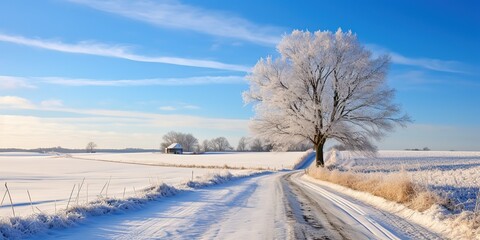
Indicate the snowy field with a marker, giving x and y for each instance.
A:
(257, 160)
(50, 179)
(109, 183)
(452, 174)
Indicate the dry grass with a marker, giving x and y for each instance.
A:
(396, 187)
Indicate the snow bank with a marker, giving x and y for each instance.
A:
(49, 180)
(396, 187)
(302, 160)
(21, 227)
(214, 179)
(436, 218)
(454, 176)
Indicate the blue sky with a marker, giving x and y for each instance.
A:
(123, 73)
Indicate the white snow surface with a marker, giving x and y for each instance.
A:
(251, 160)
(109, 182)
(451, 174)
(50, 179)
(368, 216)
(248, 208)
(77, 212)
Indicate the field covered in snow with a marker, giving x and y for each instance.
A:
(451, 174)
(50, 178)
(249, 160)
(97, 184)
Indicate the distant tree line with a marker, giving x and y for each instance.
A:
(191, 143)
(187, 140)
(221, 144)
(418, 149)
(259, 145)
(73, 150)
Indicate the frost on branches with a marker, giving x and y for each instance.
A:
(323, 86)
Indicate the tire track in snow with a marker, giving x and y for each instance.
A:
(365, 219)
(226, 211)
(306, 217)
(260, 214)
(351, 209)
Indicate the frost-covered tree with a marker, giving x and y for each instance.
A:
(323, 86)
(220, 144)
(91, 146)
(205, 147)
(189, 143)
(256, 145)
(242, 144)
(302, 146)
(187, 140)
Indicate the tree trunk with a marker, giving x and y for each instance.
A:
(319, 156)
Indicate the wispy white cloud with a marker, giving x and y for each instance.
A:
(167, 108)
(173, 14)
(191, 107)
(108, 132)
(426, 63)
(179, 106)
(15, 102)
(52, 103)
(144, 82)
(415, 78)
(116, 51)
(108, 128)
(435, 137)
(34, 131)
(160, 120)
(422, 80)
(9, 82)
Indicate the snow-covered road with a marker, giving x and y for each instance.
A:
(281, 205)
(346, 217)
(249, 208)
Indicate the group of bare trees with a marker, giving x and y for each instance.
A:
(187, 140)
(191, 143)
(258, 145)
(219, 144)
(254, 145)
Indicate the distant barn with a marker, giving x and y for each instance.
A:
(174, 148)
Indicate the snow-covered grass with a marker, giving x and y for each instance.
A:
(98, 202)
(20, 227)
(50, 179)
(452, 176)
(433, 219)
(395, 187)
(43, 185)
(229, 160)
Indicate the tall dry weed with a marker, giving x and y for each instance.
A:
(397, 187)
